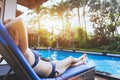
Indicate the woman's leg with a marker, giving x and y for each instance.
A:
(62, 65)
(81, 60)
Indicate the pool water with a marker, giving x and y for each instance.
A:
(102, 63)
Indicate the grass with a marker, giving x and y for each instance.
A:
(95, 50)
(89, 50)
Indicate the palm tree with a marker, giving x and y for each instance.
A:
(80, 4)
(61, 10)
(76, 4)
(40, 11)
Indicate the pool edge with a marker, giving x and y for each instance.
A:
(107, 76)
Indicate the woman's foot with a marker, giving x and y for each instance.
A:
(82, 60)
(84, 56)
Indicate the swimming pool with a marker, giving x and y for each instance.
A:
(108, 64)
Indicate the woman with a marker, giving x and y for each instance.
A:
(18, 32)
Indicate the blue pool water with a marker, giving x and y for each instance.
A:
(107, 64)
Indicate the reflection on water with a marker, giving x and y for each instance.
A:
(54, 56)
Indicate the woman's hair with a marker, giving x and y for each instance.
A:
(7, 21)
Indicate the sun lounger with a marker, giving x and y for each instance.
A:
(13, 56)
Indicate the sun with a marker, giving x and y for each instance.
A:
(52, 25)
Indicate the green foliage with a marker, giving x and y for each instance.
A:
(105, 18)
(118, 23)
(81, 37)
(44, 37)
(66, 37)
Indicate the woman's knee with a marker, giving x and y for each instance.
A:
(70, 58)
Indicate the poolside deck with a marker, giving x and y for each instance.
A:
(99, 78)
(96, 78)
